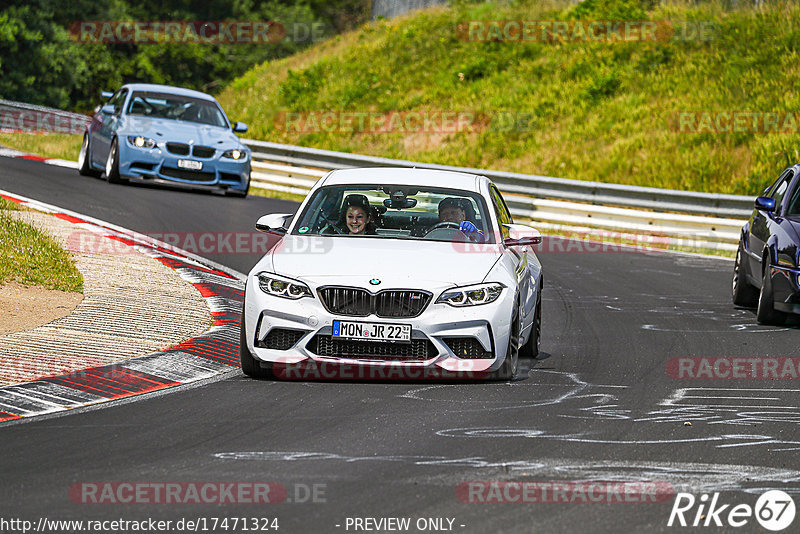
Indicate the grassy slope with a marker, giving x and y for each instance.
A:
(31, 257)
(603, 111)
(62, 146)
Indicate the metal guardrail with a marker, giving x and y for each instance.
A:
(710, 204)
(554, 203)
(21, 117)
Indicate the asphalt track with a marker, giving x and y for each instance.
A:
(598, 405)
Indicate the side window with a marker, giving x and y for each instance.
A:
(779, 191)
(118, 99)
(793, 206)
(500, 208)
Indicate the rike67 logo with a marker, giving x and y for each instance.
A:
(774, 510)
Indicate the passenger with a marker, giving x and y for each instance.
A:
(357, 215)
(455, 210)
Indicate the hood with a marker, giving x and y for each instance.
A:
(397, 263)
(179, 131)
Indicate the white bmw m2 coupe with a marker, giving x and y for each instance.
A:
(419, 271)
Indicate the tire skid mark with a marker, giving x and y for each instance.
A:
(683, 476)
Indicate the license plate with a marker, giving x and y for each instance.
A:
(398, 333)
(189, 164)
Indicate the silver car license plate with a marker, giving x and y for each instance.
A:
(398, 333)
(190, 164)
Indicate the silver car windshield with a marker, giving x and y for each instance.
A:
(175, 107)
(397, 212)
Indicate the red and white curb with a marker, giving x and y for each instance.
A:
(212, 353)
(11, 153)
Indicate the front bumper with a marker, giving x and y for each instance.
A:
(158, 165)
(488, 325)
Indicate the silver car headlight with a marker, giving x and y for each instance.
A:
(234, 154)
(141, 142)
(279, 286)
(472, 295)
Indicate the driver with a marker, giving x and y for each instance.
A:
(454, 210)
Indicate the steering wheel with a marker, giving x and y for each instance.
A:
(331, 228)
(445, 224)
(330, 224)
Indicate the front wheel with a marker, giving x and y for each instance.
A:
(508, 370)
(531, 348)
(744, 294)
(240, 194)
(250, 366)
(85, 159)
(767, 314)
(112, 164)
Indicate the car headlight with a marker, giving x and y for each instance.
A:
(472, 295)
(141, 142)
(278, 286)
(234, 154)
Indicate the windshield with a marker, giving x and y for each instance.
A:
(175, 107)
(396, 211)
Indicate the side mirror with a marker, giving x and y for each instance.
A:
(108, 109)
(765, 204)
(520, 235)
(105, 95)
(239, 127)
(275, 223)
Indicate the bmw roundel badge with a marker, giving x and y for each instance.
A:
(374, 281)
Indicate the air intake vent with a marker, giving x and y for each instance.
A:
(389, 303)
(203, 151)
(326, 345)
(467, 348)
(281, 339)
(179, 149)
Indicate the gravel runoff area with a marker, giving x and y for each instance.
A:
(132, 305)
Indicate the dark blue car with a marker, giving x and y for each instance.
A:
(162, 134)
(766, 274)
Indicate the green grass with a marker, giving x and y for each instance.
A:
(61, 146)
(31, 257)
(599, 111)
(269, 193)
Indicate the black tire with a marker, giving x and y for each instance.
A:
(743, 293)
(767, 314)
(112, 164)
(250, 366)
(530, 349)
(85, 159)
(240, 194)
(510, 367)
